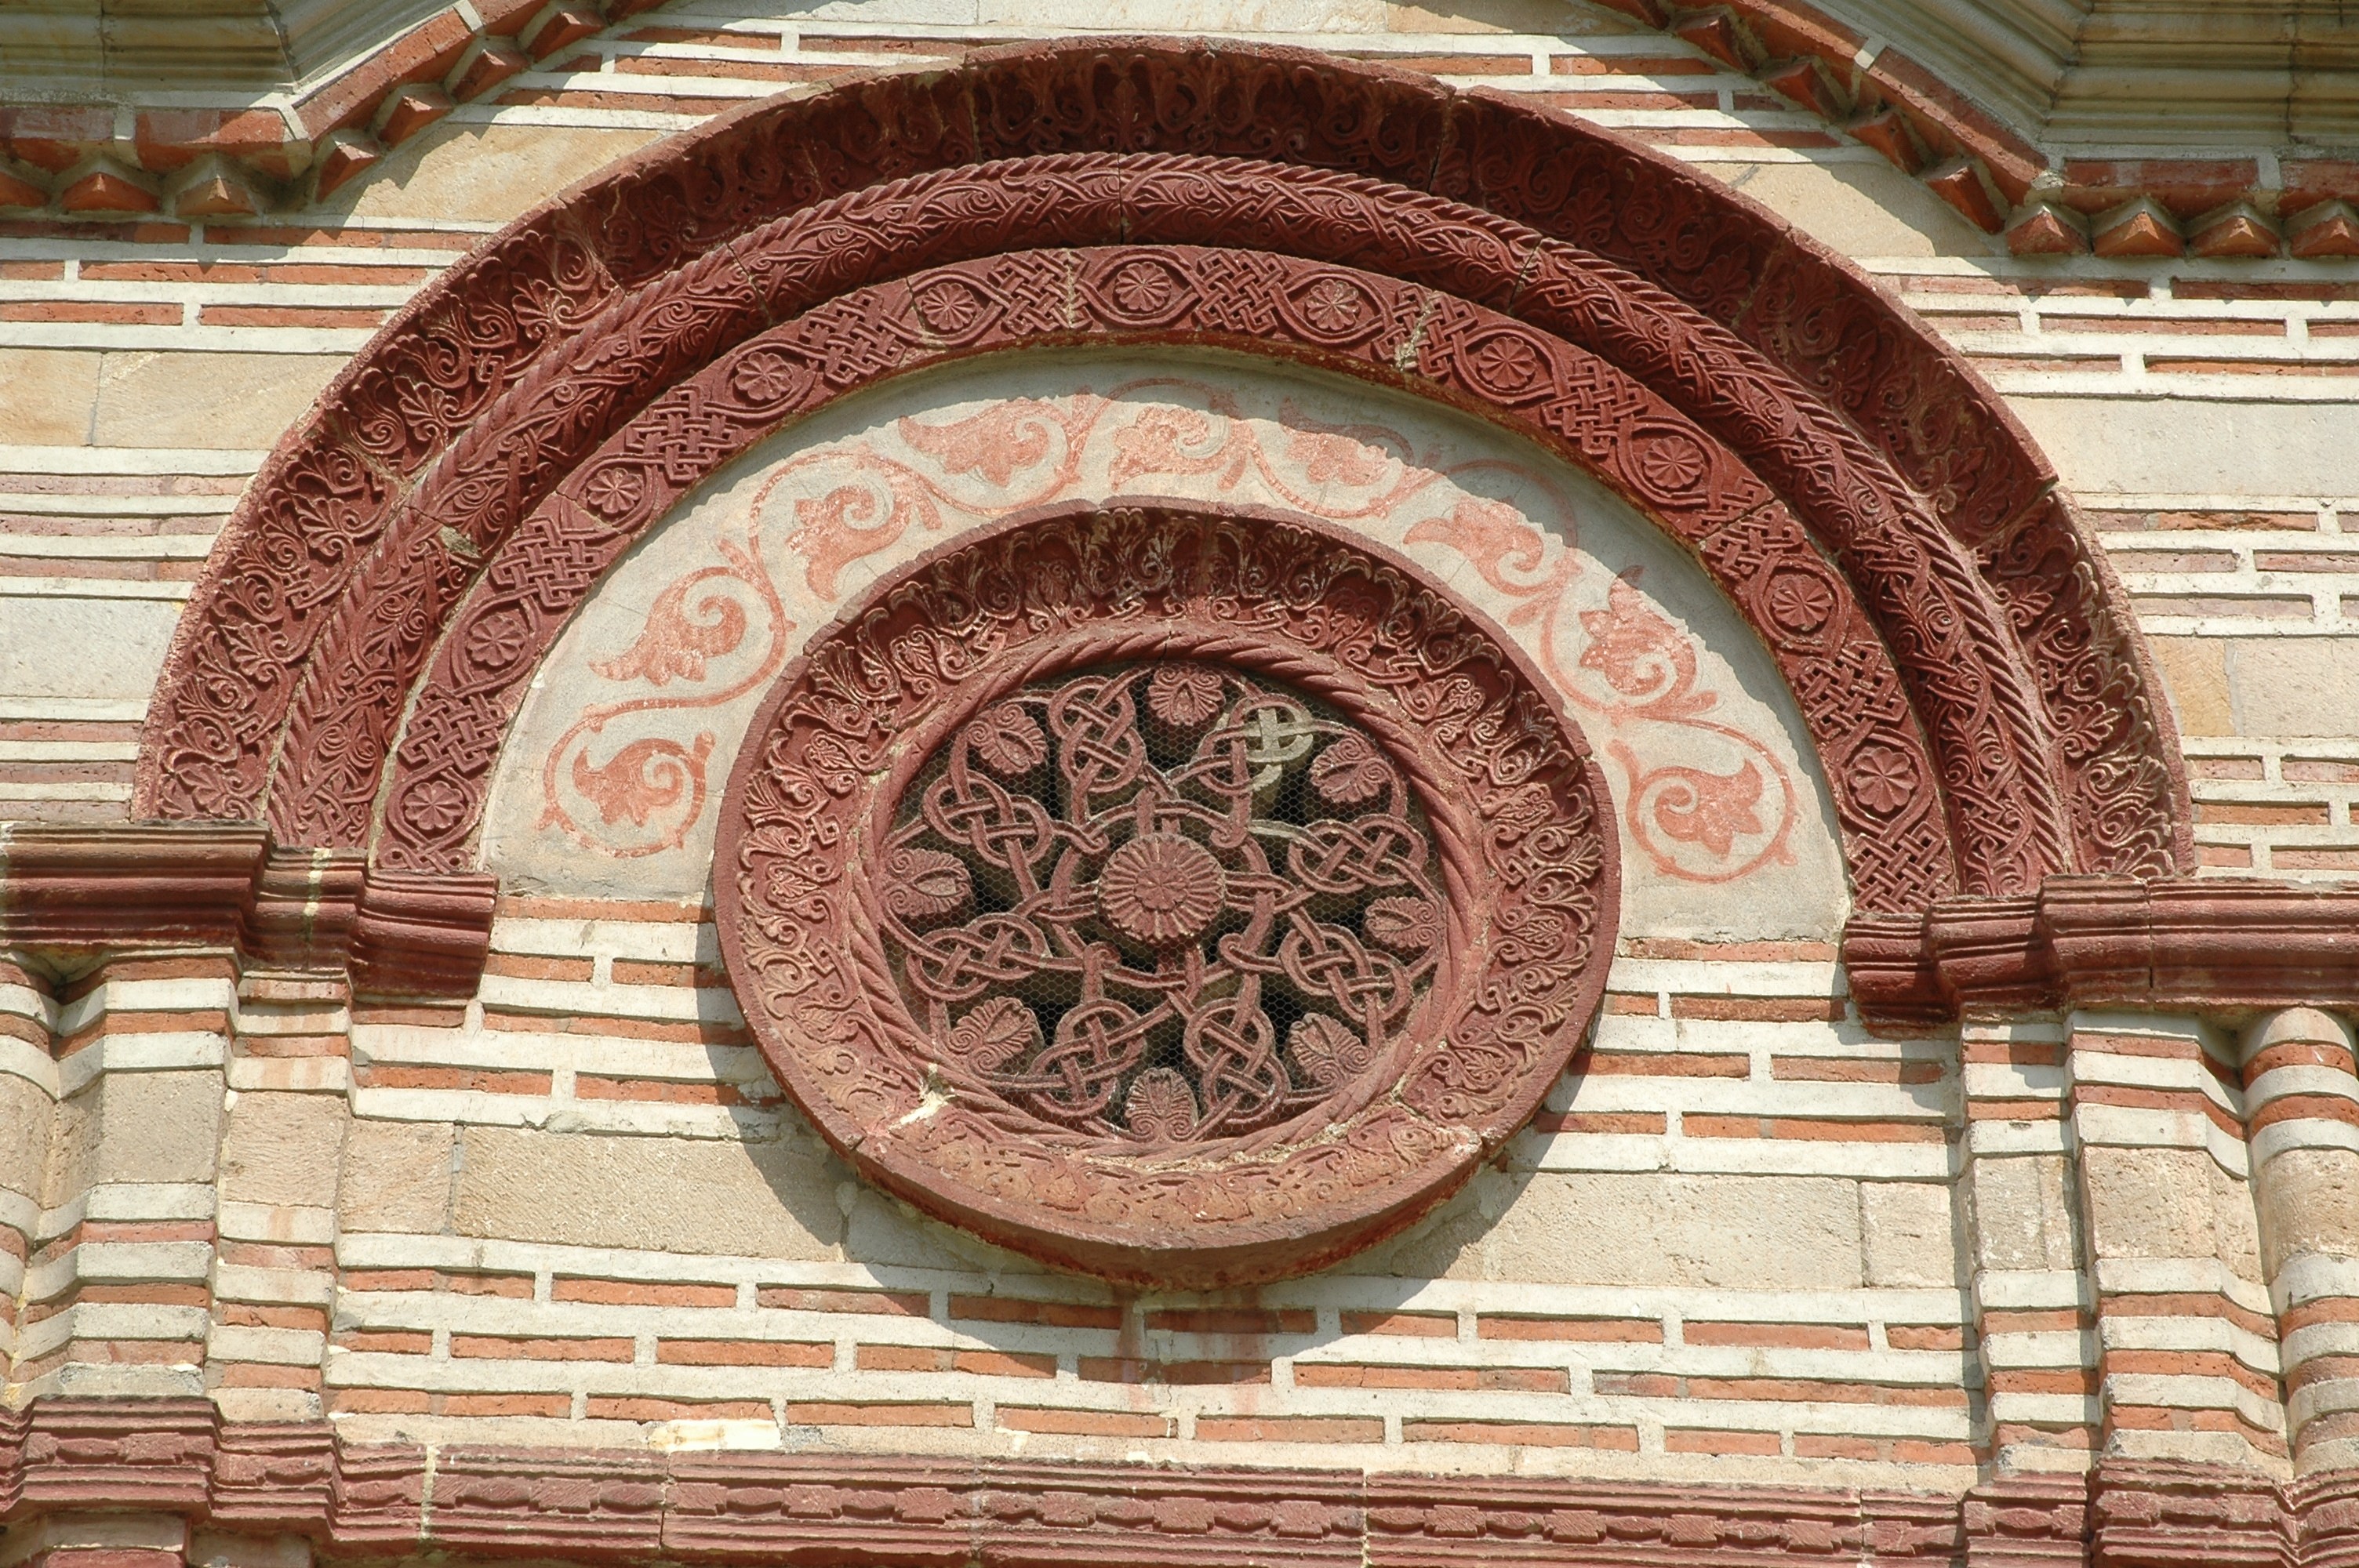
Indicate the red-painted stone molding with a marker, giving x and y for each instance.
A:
(1016, 920)
(2172, 943)
(462, 485)
(78, 892)
(355, 1502)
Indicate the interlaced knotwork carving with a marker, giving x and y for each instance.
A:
(1210, 898)
(1187, 897)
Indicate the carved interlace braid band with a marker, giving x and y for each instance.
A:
(1187, 896)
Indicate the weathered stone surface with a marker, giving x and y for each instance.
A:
(1860, 209)
(765, 1199)
(1734, 1232)
(486, 173)
(283, 1149)
(2150, 1203)
(2195, 673)
(2023, 1211)
(47, 396)
(396, 1176)
(244, 402)
(26, 1119)
(138, 1127)
(2186, 446)
(2314, 1205)
(1908, 1234)
(2293, 685)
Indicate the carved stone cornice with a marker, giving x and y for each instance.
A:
(80, 892)
(350, 1500)
(2181, 944)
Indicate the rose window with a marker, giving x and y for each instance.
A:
(1161, 901)
(1190, 899)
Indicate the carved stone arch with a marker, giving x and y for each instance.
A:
(1770, 407)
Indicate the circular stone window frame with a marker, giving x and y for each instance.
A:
(1524, 832)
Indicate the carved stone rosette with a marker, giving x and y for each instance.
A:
(1185, 897)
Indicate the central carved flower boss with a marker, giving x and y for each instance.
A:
(1186, 899)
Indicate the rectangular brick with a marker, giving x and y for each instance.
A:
(538, 967)
(1783, 1336)
(934, 1358)
(376, 1075)
(1131, 1369)
(1666, 1064)
(634, 1292)
(380, 1401)
(1290, 1428)
(1759, 1009)
(1523, 1435)
(1682, 1440)
(1084, 1423)
(1422, 1325)
(797, 1298)
(636, 1408)
(1622, 1330)
(744, 1353)
(1852, 1070)
(508, 1404)
(1240, 1320)
(1607, 1121)
(1019, 1309)
(504, 1347)
(846, 1414)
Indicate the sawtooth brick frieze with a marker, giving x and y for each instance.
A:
(1497, 781)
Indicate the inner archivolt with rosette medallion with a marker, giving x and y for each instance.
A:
(1162, 901)
(1187, 896)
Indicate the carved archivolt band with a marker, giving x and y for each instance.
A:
(1559, 279)
(1190, 898)
(1878, 759)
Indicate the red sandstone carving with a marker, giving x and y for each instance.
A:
(86, 890)
(2171, 944)
(1806, 347)
(1064, 848)
(360, 1502)
(1857, 706)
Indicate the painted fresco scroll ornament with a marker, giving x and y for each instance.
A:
(1187, 898)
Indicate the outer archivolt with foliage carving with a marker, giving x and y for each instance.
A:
(1188, 899)
(1875, 511)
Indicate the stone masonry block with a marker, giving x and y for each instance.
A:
(1740, 1232)
(1908, 1234)
(2150, 1203)
(770, 1200)
(396, 1176)
(283, 1149)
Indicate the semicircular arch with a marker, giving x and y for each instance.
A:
(1545, 274)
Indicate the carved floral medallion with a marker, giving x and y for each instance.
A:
(1187, 898)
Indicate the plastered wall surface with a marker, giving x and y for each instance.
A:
(1749, 1242)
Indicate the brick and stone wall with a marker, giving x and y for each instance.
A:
(1944, 1266)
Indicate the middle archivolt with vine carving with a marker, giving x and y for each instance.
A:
(1162, 901)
